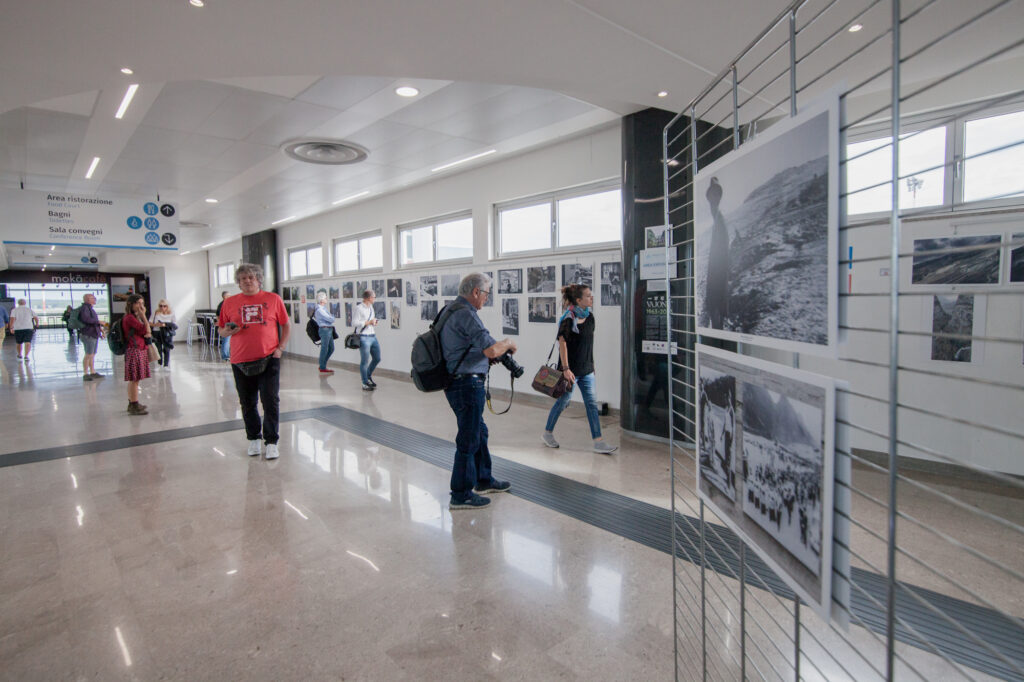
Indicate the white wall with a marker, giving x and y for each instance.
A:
(579, 161)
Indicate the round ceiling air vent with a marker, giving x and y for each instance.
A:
(324, 151)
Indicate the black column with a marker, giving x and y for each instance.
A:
(261, 249)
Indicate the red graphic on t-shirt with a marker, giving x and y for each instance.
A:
(252, 314)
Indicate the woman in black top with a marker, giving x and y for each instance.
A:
(576, 359)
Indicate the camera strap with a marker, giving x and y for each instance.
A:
(487, 394)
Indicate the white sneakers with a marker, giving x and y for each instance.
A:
(549, 440)
(255, 447)
(272, 452)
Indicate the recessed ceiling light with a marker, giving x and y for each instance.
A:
(855, 28)
(663, 93)
(468, 158)
(92, 167)
(126, 71)
(354, 196)
(211, 200)
(406, 91)
(128, 94)
(283, 220)
(197, 3)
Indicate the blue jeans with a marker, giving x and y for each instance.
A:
(326, 345)
(225, 348)
(369, 356)
(472, 458)
(586, 384)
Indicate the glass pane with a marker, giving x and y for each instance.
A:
(346, 256)
(315, 261)
(455, 239)
(918, 188)
(371, 251)
(590, 219)
(297, 263)
(525, 229)
(417, 245)
(994, 174)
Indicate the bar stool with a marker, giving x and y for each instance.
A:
(195, 329)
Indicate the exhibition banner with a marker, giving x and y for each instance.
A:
(70, 219)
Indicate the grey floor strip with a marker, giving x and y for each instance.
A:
(650, 526)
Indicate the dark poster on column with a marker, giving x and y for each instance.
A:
(655, 320)
(261, 249)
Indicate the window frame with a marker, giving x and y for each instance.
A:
(306, 248)
(356, 238)
(432, 223)
(231, 277)
(552, 199)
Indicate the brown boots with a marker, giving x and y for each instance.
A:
(137, 408)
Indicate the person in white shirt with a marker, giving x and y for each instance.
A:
(369, 349)
(163, 326)
(23, 324)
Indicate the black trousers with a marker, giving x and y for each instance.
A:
(264, 387)
(163, 342)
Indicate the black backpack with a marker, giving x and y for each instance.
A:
(115, 337)
(429, 370)
(313, 331)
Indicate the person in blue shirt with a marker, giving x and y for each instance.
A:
(468, 349)
(5, 319)
(325, 320)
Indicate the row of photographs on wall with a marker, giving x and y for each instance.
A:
(973, 260)
(765, 461)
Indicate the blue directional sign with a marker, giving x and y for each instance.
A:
(150, 208)
(135, 222)
(152, 238)
(152, 223)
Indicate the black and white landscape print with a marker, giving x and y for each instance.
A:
(428, 310)
(766, 222)
(396, 314)
(380, 310)
(1017, 258)
(378, 288)
(428, 285)
(362, 286)
(450, 285)
(577, 273)
(765, 463)
(542, 309)
(510, 281)
(541, 280)
(333, 293)
(410, 294)
(348, 290)
(510, 316)
(953, 314)
(956, 260)
(335, 309)
(611, 283)
(348, 314)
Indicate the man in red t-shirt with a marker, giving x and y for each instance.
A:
(258, 325)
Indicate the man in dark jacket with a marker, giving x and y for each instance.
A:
(90, 334)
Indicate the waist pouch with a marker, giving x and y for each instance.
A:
(254, 367)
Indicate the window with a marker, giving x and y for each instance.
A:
(358, 253)
(560, 220)
(994, 157)
(922, 172)
(306, 261)
(225, 274)
(447, 238)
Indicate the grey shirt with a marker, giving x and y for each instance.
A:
(464, 330)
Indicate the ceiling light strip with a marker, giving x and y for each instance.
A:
(128, 95)
(354, 196)
(283, 220)
(92, 167)
(465, 160)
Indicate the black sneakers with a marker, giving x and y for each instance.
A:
(472, 502)
(495, 486)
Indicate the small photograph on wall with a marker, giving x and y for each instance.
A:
(348, 290)
(378, 288)
(394, 288)
(310, 309)
(310, 291)
(542, 309)
(654, 237)
(428, 310)
(541, 280)
(286, 293)
(489, 302)
(396, 314)
(510, 281)
(410, 294)
(380, 310)
(510, 316)
(576, 273)
(428, 285)
(1017, 258)
(611, 283)
(717, 447)
(348, 314)
(295, 313)
(335, 309)
(765, 236)
(952, 314)
(956, 260)
(334, 293)
(288, 309)
(450, 285)
(121, 288)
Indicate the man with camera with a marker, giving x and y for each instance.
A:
(468, 349)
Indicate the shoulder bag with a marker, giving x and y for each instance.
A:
(550, 380)
(352, 340)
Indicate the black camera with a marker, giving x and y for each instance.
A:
(513, 367)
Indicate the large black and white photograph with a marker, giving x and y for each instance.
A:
(952, 327)
(380, 310)
(378, 288)
(428, 310)
(428, 285)
(510, 281)
(510, 316)
(577, 273)
(766, 231)
(542, 308)
(611, 283)
(1017, 258)
(540, 280)
(956, 260)
(410, 294)
(450, 285)
(766, 463)
(394, 288)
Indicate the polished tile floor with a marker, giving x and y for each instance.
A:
(187, 560)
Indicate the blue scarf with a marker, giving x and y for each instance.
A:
(576, 314)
